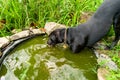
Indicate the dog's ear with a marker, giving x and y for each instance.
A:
(58, 36)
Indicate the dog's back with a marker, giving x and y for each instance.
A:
(99, 24)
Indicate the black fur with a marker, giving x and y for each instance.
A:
(90, 32)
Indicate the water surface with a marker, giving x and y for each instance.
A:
(34, 60)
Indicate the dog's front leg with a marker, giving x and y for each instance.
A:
(116, 26)
(76, 47)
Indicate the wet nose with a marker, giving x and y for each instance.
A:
(49, 42)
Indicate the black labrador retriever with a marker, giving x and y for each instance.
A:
(90, 32)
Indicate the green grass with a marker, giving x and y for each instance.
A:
(20, 13)
(115, 75)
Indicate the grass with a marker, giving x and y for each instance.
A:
(115, 75)
(19, 14)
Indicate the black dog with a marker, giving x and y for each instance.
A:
(87, 34)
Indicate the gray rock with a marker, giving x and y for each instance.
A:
(4, 41)
(107, 62)
(37, 31)
(51, 26)
(19, 35)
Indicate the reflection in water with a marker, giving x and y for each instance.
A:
(33, 60)
(58, 68)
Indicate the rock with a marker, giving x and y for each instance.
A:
(37, 31)
(102, 73)
(51, 26)
(99, 52)
(4, 41)
(19, 35)
(106, 61)
(99, 45)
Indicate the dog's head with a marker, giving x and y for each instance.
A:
(55, 37)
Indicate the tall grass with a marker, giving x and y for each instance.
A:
(20, 13)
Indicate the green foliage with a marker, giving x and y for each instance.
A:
(111, 32)
(116, 57)
(115, 75)
(20, 13)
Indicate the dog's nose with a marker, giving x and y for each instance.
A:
(48, 42)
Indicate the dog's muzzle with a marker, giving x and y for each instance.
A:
(50, 43)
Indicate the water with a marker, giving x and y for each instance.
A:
(34, 60)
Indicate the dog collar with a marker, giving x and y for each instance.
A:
(65, 38)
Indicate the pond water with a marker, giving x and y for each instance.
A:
(34, 60)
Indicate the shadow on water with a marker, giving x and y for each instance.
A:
(34, 60)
